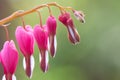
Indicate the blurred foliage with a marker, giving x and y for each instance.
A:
(97, 57)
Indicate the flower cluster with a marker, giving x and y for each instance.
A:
(44, 36)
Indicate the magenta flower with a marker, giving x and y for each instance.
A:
(72, 32)
(9, 59)
(25, 41)
(41, 37)
(51, 28)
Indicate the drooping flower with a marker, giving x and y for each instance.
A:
(9, 59)
(72, 32)
(25, 41)
(79, 15)
(41, 37)
(51, 28)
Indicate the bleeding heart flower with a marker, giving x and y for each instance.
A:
(9, 59)
(72, 32)
(51, 28)
(25, 41)
(41, 36)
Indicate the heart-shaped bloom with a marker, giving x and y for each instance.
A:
(9, 59)
(25, 39)
(72, 32)
(41, 36)
(51, 28)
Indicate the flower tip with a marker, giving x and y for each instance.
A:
(73, 36)
(53, 55)
(28, 64)
(44, 59)
(74, 41)
(82, 20)
(52, 45)
(44, 70)
(44, 67)
(11, 77)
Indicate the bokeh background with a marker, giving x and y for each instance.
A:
(97, 57)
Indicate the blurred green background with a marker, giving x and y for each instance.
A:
(97, 57)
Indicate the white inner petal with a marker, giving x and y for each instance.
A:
(72, 33)
(55, 44)
(3, 78)
(13, 77)
(46, 58)
(24, 64)
(32, 64)
(40, 57)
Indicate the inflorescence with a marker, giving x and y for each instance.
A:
(44, 35)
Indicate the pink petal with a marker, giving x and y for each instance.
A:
(51, 25)
(9, 57)
(0, 58)
(41, 37)
(25, 39)
(64, 17)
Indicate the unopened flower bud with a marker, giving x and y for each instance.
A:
(79, 15)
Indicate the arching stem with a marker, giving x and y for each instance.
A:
(21, 13)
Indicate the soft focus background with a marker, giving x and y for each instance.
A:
(97, 57)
